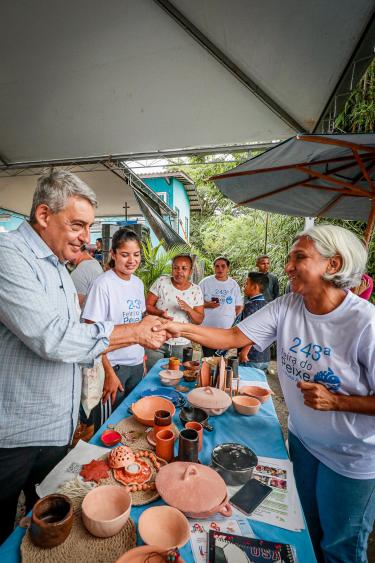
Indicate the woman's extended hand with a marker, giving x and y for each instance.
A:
(317, 396)
(164, 315)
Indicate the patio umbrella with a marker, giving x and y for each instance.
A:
(329, 176)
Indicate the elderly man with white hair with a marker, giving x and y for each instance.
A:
(326, 364)
(42, 340)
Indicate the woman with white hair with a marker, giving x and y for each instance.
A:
(326, 364)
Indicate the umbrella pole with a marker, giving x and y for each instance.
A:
(370, 224)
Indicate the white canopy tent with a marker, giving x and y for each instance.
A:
(93, 81)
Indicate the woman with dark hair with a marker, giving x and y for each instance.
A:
(176, 297)
(118, 296)
(222, 299)
(326, 365)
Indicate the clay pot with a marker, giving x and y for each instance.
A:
(195, 489)
(170, 377)
(188, 445)
(199, 428)
(174, 363)
(105, 510)
(144, 409)
(165, 444)
(247, 406)
(51, 521)
(213, 401)
(164, 525)
(162, 421)
(141, 554)
(234, 462)
(259, 393)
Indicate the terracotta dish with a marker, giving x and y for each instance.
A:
(144, 409)
(258, 392)
(165, 525)
(170, 376)
(105, 510)
(110, 437)
(246, 405)
(141, 553)
(195, 489)
(213, 401)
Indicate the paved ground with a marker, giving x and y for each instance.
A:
(282, 413)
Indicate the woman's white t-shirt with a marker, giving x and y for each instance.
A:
(121, 301)
(167, 295)
(336, 350)
(229, 294)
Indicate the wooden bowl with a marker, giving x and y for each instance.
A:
(246, 405)
(164, 525)
(144, 409)
(105, 510)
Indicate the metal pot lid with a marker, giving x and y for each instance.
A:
(234, 457)
(190, 487)
(209, 398)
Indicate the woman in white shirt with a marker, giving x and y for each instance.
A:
(326, 366)
(176, 297)
(118, 296)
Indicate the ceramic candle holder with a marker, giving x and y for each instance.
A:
(51, 521)
(165, 444)
(162, 421)
(199, 428)
(188, 445)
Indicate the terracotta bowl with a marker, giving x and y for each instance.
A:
(144, 409)
(246, 405)
(165, 526)
(140, 554)
(170, 376)
(258, 392)
(105, 510)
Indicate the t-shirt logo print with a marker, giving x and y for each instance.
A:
(229, 299)
(329, 379)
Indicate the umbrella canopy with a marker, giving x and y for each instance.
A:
(310, 176)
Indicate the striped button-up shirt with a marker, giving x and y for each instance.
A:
(41, 343)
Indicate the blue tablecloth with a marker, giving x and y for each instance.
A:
(262, 433)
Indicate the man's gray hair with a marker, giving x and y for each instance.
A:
(331, 240)
(55, 187)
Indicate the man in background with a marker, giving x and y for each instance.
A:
(263, 266)
(86, 271)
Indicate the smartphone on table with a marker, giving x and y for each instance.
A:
(250, 496)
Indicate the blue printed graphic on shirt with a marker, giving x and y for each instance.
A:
(301, 362)
(329, 379)
(224, 296)
(229, 299)
(133, 312)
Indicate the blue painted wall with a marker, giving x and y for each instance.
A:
(177, 199)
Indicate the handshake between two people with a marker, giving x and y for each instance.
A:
(151, 333)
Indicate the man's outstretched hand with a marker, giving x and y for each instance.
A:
(172, 329)
(151, 332)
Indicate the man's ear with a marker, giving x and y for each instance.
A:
(334, 264)
(42, 214)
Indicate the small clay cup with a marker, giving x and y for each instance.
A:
(165, 444)
(174, 363)
(51, 521)
(162, 421)
(199, 428)
(188, 445)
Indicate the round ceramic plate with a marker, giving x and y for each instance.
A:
(171, 394)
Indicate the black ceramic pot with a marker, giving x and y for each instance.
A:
(190, 414)
(234, 462)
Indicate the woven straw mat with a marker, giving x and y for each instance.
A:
(134, 433)
(80, 546)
